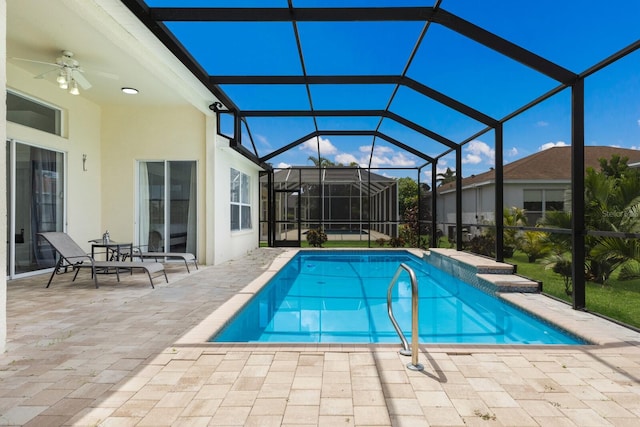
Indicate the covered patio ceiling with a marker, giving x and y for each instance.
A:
(426, 77)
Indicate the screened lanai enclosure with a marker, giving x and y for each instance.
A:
(346, 203)
(522, 118)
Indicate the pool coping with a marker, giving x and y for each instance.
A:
(592, 328)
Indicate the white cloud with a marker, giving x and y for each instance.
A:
(478, 152)
(384, 156)
(346, 159)
(377, 161)
(542, 124)
(473, 159)
(401, 160)
(512, 152)
(551, 145)
(283, 165)
(326, 147)
(383, 149)
(638, 122)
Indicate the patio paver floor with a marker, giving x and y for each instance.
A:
(113, 356)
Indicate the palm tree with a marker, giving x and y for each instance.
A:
(613, 204)
(446, 177)
(321, 162)
(514, 217)
(612, 198)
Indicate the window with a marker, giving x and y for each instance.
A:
(537, 202)
(533, 200)
(167, 206)
(553, 200)
(35, 202)
(240, 201)
(34, 114)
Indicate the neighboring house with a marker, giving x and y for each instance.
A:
(140, 166)
(538, 183)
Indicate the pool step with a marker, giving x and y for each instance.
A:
(484, 273)
(508, 283)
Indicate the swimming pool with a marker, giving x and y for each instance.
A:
(341, 297)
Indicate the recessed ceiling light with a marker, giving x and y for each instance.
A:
(129, 90)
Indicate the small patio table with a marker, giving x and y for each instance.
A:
(114, 251)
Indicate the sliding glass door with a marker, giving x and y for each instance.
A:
(35, 204)
(167, 206)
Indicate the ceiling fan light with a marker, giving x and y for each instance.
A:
(129, 90)
(61, 78)
(74, 89)
(64, 85)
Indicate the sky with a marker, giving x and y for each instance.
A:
(575, 34)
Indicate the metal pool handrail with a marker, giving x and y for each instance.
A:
(406, 351)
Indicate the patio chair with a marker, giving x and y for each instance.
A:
(72, 255)
(155, 252)
(186, 257)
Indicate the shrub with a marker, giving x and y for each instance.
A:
(484, 244)
(535, 244)
(381, 241)
(316, 237)
(561, 264)
(396, 242)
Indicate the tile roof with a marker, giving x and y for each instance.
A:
(548, 165)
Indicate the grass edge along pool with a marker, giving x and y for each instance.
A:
(340, 297)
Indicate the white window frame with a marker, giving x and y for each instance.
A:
(240, 198)
(59, 113)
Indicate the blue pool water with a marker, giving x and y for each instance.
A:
(341, 297)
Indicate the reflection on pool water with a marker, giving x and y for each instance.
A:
(341, 297)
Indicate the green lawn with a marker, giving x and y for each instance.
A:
(619, 299)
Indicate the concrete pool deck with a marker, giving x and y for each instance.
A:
(124, 355)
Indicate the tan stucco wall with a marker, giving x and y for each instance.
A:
(130, 134)
(81, 135)
(113, 139)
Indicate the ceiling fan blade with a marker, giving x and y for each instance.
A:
(81, 79)
(41, 75)
(53, 64)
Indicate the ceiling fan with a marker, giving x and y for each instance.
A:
(70, 74)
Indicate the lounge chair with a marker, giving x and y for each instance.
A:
(72, 255)
(155, 252)
(185, 256)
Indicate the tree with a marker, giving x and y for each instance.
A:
(446, 177)
(535, 245)
(407, 194)
(616, 167)
(612, 204)
(321, 162)
(514, 217)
